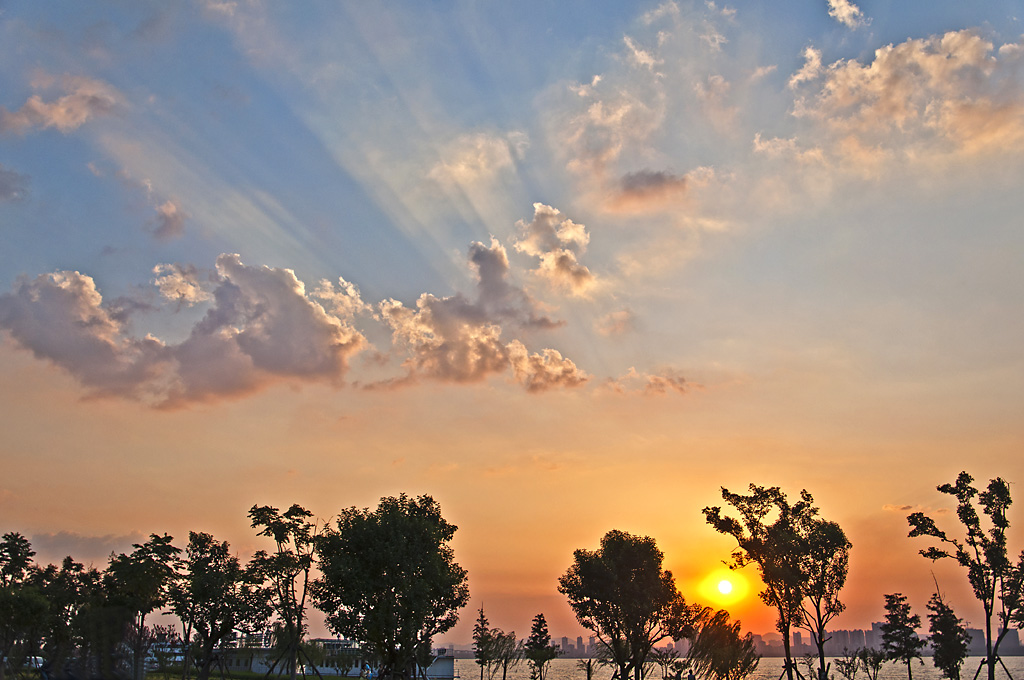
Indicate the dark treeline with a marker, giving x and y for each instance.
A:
(387, 580)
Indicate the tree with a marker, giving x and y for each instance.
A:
(390, 580)
(139, 583)
(995, 579)
(949, 638)
(622, 594)
(66, 589)
(483, 643)
(215, 596)
(508, 651)
(286, 572)
(23, 608)
(770, 534)
(871, 660)
(668, 661)
(848, 664)
(719, 652)
(899, 639)
(824, 565)
(538, 649)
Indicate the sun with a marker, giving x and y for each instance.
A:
(724, 587)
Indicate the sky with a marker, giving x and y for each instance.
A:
(565, 267)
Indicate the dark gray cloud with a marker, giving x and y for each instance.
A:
(13, 186)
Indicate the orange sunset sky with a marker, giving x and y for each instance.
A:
(566, 267)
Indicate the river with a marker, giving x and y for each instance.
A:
(770, 668)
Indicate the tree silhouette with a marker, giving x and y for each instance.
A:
(949, 638)
(899, 640)
(215, 596)
(995, 579)
(390, 580)
(720, 652)
(139, 582)
(286, 573)
(508, 651)
(824, 565)
(538, 649)
(23, 608)
(622, 594)
(769, 534)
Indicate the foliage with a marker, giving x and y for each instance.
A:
(139, 583)
(899, 641)
(769, 533)
(949, 637)
(286, 572)
(389, 578)
(995, 579)
(871, 661)
(720, 652)
(507, 650)
(538, 649)
(483, 644)
(668, 661)
(215, 596)
(622, 594)
(824, 565)
(848, 664)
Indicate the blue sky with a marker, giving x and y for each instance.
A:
(510, 242)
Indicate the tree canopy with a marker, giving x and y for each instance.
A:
(899, 639)
(994, 577)
(621, 592)
(390, 580)
(803, 560)
(215, 597)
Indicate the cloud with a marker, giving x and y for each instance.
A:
(262, 327)
(13, 186)
(345, 301)
(713, 93)
(810, 70)
(456, 339)
(60, 317)
(540, 372)
(479, 157)
(593, 139)
(847, 13)
(556, 241)
(949, 90)
(639, 57)
(448, 339)
(86, 98)
(649, 384)
(169, 221)
(916, 108)
(89, 550)
(904, 509)
(619, 322)
(180, 283)
(669, 381)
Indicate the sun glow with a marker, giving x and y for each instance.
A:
(723, 588)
